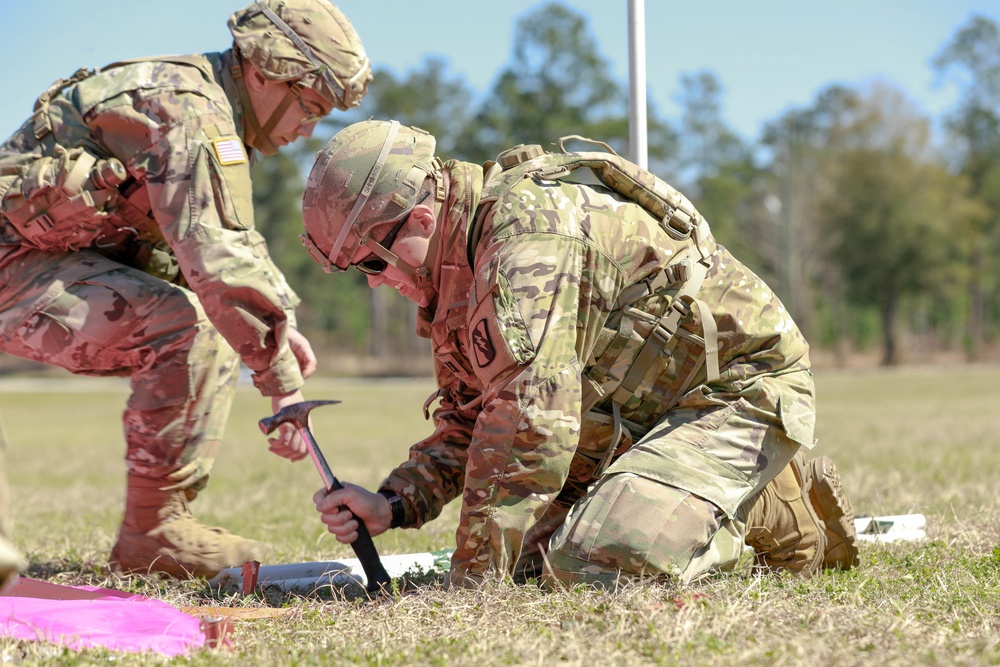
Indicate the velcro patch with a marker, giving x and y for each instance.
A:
(229, 150)
(483, 344)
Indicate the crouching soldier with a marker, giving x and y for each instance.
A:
(127, 247)
(617, 392)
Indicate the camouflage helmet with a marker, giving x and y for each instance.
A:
(304, 40)
(369, 174)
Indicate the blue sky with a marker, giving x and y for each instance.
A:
(769, 55)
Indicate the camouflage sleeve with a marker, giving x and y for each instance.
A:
(198, 178)
(531, 327)
(433, 475)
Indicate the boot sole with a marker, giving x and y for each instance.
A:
(807, 485)
(139, 553)
(834, 508)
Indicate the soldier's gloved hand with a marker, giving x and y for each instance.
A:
(338, 508)
(303, 352)
(288, 442)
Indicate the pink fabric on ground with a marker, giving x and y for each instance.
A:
(88, 617)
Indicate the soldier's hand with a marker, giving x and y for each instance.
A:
(303, 352)
(339, 508)
(287, 441)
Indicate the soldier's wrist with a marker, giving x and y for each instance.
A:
(396, 506)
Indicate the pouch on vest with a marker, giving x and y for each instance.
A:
(631, 351)
(61, 202)
(131, 237)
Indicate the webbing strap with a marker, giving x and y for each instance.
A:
(276, 116)
(680, 270)
(303, 48)
(616, 437)
(366, 191)
(78, 175)
(141, 221)
(662, 334)
(236, 71)
(592, 394)
(710, 332)
(40, 117)
(602, 366)
(661, 342)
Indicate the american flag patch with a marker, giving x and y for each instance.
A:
(229, 150)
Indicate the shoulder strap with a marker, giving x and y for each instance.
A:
(40, 117)
(194, 60)
(677, 215)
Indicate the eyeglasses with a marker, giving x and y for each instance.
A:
(373, 264)
(310, 114)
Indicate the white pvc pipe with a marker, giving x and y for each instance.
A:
(311, 576)
(637, 143)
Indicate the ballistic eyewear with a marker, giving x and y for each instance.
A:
(373, 264)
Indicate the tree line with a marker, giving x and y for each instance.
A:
(878, 239)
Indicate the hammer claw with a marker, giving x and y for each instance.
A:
(296, 413)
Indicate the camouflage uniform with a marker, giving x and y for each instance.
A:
(171, 286)
(543, 314)
(510, 437)
(95, 311)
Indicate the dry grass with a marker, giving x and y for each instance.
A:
(914, 440)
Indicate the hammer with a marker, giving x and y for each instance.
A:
(297, 414)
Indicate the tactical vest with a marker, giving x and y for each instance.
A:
(70, 199)
(643, 327)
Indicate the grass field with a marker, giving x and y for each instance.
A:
(911, 440)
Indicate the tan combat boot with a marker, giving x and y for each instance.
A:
(833, 507)
(159, 534)
(782, 526)
(802, 521)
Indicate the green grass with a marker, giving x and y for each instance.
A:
(912, 440)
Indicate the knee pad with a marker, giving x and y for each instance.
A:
(637, 526)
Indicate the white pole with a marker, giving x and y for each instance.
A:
(637, 82)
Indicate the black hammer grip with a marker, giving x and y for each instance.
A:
(364, 548)
(297, 414)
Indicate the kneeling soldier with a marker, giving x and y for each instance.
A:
(616, 390)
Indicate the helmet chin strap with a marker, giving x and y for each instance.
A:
(421, 275)
(262, 135)
(425, 277)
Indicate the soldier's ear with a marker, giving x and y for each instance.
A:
(423, 215)
(254, 77)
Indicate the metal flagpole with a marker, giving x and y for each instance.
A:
(637, 82)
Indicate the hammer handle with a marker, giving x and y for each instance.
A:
(364, 547)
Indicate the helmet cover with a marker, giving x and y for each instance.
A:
(304, 40)
(367, 175)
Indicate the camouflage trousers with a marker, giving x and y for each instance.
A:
(673, 504)
(92, 316)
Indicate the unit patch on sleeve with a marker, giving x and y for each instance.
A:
(483, 344)
(229, 150)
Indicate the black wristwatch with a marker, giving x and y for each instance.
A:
(396, 505)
